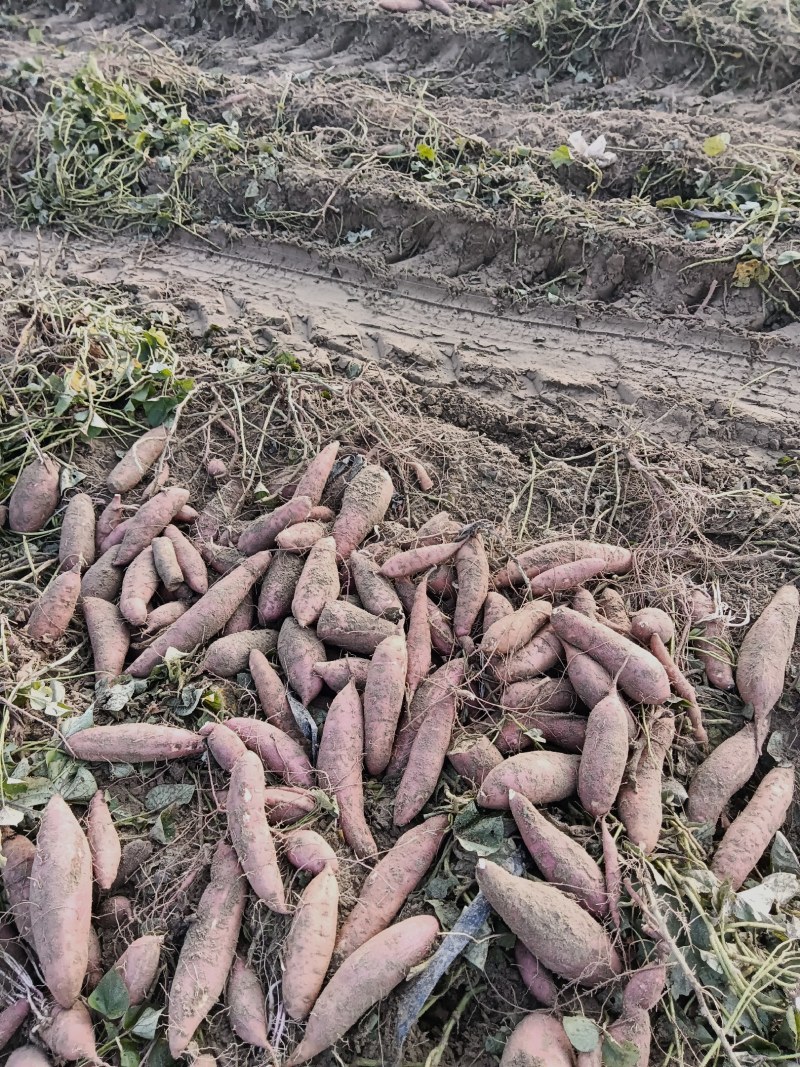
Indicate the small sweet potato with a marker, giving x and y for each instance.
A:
(164, 615)
(442, 637)
(764, 656)
(376, 593)
(61, 901)
(633, 1028)
(222, 559)
(68, 1033)
(538, 1041)
(138, 587)
(138, 460)
(208, 950)
(711, 647)
(747, 837)
(189, 560)
(535, 561)
(308, 949)
(94, 969)
(495, 607)
(279, 753)
(230, 655)
(364, 504)
(11, 1019)
(552, 926)
(140, 742)
(364, 979)
(613, 612)
(165, 560)
(584, 602)
(414, 560)
(605, 755)
(224, 745)
(425, 761)
(284, 803)
(76, 546)
(35, 496)
(538, 980)
(307, 850)
(542, 777)
(418, 642)
(318, 585)
(103, 579)
(472, 572)
(439, 688)
(108, 635)
(589, 679)
(116, 536)
(18, 853)
(278, 586)
(104, 843)
(313, 481)
(682, 686)
(115, 914)
(247, 1005)
(383, 701)
(271, 693)
(639, 801)
(298, 650)
(149, 521)
(53, 611)
(138, 966)
(651, 621)
(513, 632)
(566, 576)
(301, 536)
(727, 770)
(389, 885)
(352, 628)
(473, 757)
(261, 532)
(540, 655)
(27, 1056)
(528, 705)
(440, 527)
(250, 833)
(339, 762)
(109, 519)
(336, 673)
(644, 988)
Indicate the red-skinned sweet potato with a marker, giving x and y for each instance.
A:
(261, 532)
(279, 753)
(764, 655)
(711, 646)
(298, 650)
(230, 655)
(538, 1041)
(727, 770)
(149, 521)
(108, 520)
(513, 632)
(18, 853)
(104, 843)
(307, 850)
(11, 1019)
(27, 1056)
(103, 580)
(351, 628)
(308, 948)
(55, 608)
(472, 572)
(418, 642)
(138, 460)
(376, 593)
(69, 1034)
(318, 585)
(165, 561)
(189, 560)
(336, 673)
(34, 497)
(538, 980)
(141, 742)
(278, 586)
(271, 693)
(138, 966)
(138, 587)
(439, 688)
(473, 757)
(495, 607)
(250, 834)
(108, 635)
(639, 806)
(383, 701)
(537, 560)
(313, 481)
(540, 655)
(247, 1012)
(364, 504)
(542, 777)
(605, 755)
(301, 536)
(285, 803)
(649, 621)
(76, 547)
(224, 745)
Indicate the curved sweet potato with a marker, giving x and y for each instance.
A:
(513, 632)
(230, 655)
(473, 757)
(301, 536)
(538, 1041)
(307, 850)
(682, 686)
(103, 580)
(541, 653)
(376, 593)
(711, 647)
(425, 760)
(727, 770)
(472, 572)
(138, 588)
(164, 615)
(351, 628)
(605, 755)
(271, 693)
(34, 497)
(336, 673)
(364, 504)
(108, 635)
(140, 742)
(590, 680)
(250, 834)
(285, 803)
(383, 701)
(11, 1019)
(584, 602)
(69, 1034)
(149, 521)
(560, 728)
(309, 947)
(639, 805)
(279, 753)
(138, 460)
(298, 650)
(566, 576)
(278, 586)
(318, 585)
(542, 777)
(535, 561)
(440, 687)
(18, 853)
(189, 560)
(764, 655)
(138, 966)
(55, 608)
(76, 547)
(261, 532)
(247, 1011)
(313, 481)
(223, 744)
(104, 843)
(538, 980)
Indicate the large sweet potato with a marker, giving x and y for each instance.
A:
(77, 548)
(141, 742)
(764, 655)
(309, 946)
(364, 504)
(137, 461)
(34, 497)
(250, 833)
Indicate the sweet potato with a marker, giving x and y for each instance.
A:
(389, 885)
(27, 1056)
(440, 527)
(542, 777)
(221, 511)
(559, 857)
(247, 1010)
(189, 560)
(639, 673)
(277, 589)
(205, 1059)
(764, 656)
(383, 701)
(605, 755)
(108, 635)
(53, 611)
(307, 850)
(633, 1027)
(208, 950)
(611, 606)
(589, 679)
(365, 978)
(3, 516)
(644, 988)
(584, 602)
(76, 546)
(521, 701)
(312, 483)
(94, 969)
(279, 753)
(682, 686)
(149, 521)
(284, 803)
(205, 618)
(309, 947)
(104, 843)
(250, 833)
(224, 745)
(228, 656)
(747, 837)
(535, 561)
(18, 853)
(472, 572)
(69, 1034)
(261, 532)
(439, 689)
(611, 871)
(651, 621)
(339, 760)
(442, 582)
(336, 673)
(442, 637)
(711, 647)
(406, 564)
(319, 513)
(639, 801)
(473, 757)
(352, 628)
(301, 536)
(166, 564)
(727, 770)
(566, 576)
(138, 966)
(138, 588)
(418, 642)
(364, 504)
(538, 1041)
(116, 536)
(318, 585)
(516, 630)
(140, 742)
(495, 607)
(272, 696)
(61, 901)
(103, 579)
(115, 914)
(138, 460)
(377, 594)
(538, 980)
(109, 519)
(35, 496)
(222, 559)
(164, 615)
(298, 650)
(540, 655)
(11, 1019)
(216, 468)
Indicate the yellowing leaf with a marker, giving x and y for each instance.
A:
(424, 151)
(715, 146)
(561, 157)
(76, 382)
(751, 270)
(116, 115)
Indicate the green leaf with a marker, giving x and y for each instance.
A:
(479, 833)
(68, 727)
(716, 145)
(788, 256)
(165, 796)
(110, 997)
(620, 1055)
(35, 35)
(159, 1055)
(77, 784)
(670, 201)
(128, 1054)
(163, 830)
(582, 1032)
(146, 1023)
(561, 157)
(782, 857)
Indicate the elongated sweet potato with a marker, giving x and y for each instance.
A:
(473, 757)
(414, 560)
(76, 547)
(138, 460)
(230, 655)
(764, 655)
(747, 837)
(336, 673)
(538, 1041)
(279, 753)
(205, 618)
(442, 637)
(139, 587)
(439, 689)
(261, 532)
(418, 642)
(318, 585)
(472, 572)
(108, 635)
(552, 926)
(61, 901)
(651, 621)
(383, 701)
(140, 742)
(11, 1019)
(566, 576)
(561, 859)
(27, 1056)
(277, 589)
(542, 777)
(149, 521)
(247, 1010)
(165, 560)
(138, 966)
(94, 969)
(682, 686)
(164, 615)
(390, 884)
(222, 559)
(53, 611)
(711, 647)
(495, 607)
(307, 850)
(376, 593)
(250, 833)
(364, 504)
(34, 497)
(108, 520)
(639, 673)
(224, 745)
(298, 650)
(590, 680)
(301, 536)
(425, 760)
(339, 762)
(538, 980)
(365, 978)
(612, 873)
(68, 1033)
(727, 770)
(605, 755)
(313, 481)
(539, 704)
(189, 560)
(513, 632)
(221, 511)
(271, 693)
(104, 843)
(309, 947)
(352, 628)
(540, 655)
(18, 853)
(208, 949)
(537, 560)
(103, 579)
(639, 803)
(284, 803)
(440, 527)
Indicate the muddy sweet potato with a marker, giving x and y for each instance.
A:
(473, 757)
(298, 650)
(318, 585)
(250, 834)
(645, 988)
(109, 637)
(284, 803)
(682, 686)
(261, 532)
(612, 871)
(364, 504)
(472, 573)
(208, 950)
(727, 770)
(315, 477)
(566, 576)
(542, 777)
(164, 615)
(18, 853)
(140, 742)
(108, 520)
(513, 632)
(149, 521)
(764, 656)
(539, 704)
(605, 755)
(377, 594)
(495, 607)
(230, 655)
(138, 460)
(278, 586)
(53, 611)
(633, 1028)
(61, 901)
(279, 753)
(418, 641)
(351, 628)
(308, 851)
(540, 655)
(103, 579)
(190, 561)
(224, 745)
(589, 679)
(537, 1041)
(35, 496)
(138, 588)
(76, 547)
(535, 561)
(383, 701)
(711, 647)
(336, 673)
(308, 948)
(27, 1056)
(68, 1033)
(11, 1019)
(247, 1010)
(301, 536)
(271, 693)
(651, 621)
(538, 980)
(165, 561)
(425, 761)
(414, 560)
(104, 843)
(639, 802)
(138, 966)
(437, 691)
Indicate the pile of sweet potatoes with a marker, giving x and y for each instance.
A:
(527, 684)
